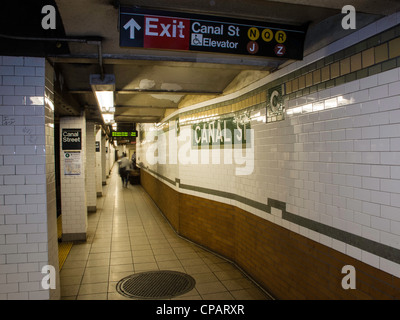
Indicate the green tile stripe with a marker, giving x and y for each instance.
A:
(157, 174)
(228, 195)
(376, 248)
(379, 249)
(373, 247)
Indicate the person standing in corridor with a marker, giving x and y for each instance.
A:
(124, 167)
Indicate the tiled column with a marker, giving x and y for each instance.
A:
(98, 170)
(108, 150)
(73, 196)
(28, 229)
(103, 160)
(90, 166)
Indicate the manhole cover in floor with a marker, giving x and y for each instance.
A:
(155, 284)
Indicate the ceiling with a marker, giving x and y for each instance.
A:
(151, 84)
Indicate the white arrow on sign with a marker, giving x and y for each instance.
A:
(132, 24)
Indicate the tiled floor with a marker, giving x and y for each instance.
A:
(128, 235)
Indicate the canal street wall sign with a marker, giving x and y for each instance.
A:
(153, 29)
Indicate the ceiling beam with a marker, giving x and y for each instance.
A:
(138, 91)
(135, 91)
(138, 120)
(201, 60)
(137, 115)
(122, 108)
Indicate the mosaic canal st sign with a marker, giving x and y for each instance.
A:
(152, 29)
(222, 132)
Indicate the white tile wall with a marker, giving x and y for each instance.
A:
(28, 234)
(335, 159)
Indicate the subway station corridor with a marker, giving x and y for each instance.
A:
(267, 134)
(127, 235)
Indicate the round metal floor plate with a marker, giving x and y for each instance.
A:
(162, 284)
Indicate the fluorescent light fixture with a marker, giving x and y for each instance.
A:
(105, 100)
(103, 89)
(108, 117)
